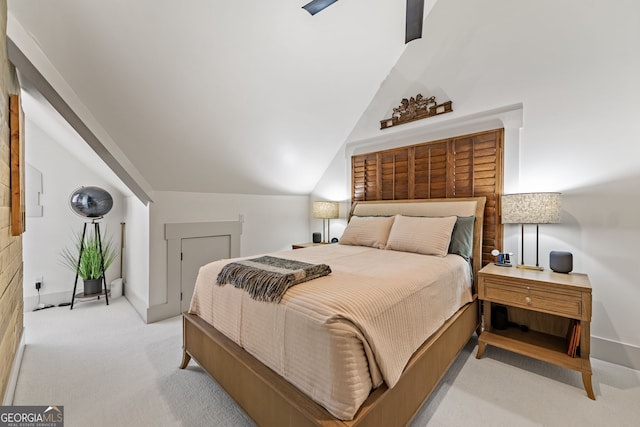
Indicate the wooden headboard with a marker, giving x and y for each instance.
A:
(434, 207)
(459, 167)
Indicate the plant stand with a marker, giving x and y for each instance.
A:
(104, 279)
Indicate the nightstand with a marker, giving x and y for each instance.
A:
(306, 245)
(549, 304)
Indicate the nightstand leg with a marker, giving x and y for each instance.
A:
(586, 380)
(481, 347)
(486, 326)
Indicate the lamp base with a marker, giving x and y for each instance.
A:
(530, 267)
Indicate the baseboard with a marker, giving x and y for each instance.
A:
(15, 370)
(615, 352)
(53, 298)
(138, 305)
(162, 311)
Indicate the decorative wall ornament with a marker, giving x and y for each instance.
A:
(415, 109)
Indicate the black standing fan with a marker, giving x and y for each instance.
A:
(415, 15)
(91, 202)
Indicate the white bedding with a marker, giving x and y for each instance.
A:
(338, 336)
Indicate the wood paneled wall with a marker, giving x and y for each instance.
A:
(463, 166)
(11, 298)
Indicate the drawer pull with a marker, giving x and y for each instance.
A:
(527, 300)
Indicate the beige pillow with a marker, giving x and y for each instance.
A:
(423, 235)
(370, 231)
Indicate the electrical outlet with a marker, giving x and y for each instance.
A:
(38, 281)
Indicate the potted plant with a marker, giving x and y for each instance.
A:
(89, 268)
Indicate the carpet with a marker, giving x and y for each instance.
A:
(108, 368)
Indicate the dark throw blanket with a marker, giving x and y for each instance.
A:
(268, 278)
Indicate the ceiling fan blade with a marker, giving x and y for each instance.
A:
(415, 16)
(316, 6)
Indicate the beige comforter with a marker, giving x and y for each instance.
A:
(338, 336)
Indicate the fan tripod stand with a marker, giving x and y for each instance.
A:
(103, 280)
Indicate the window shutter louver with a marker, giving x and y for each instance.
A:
(431, 171)
(364, 173)
(395, 174)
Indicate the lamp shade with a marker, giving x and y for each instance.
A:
(531, 208)
(325, 210)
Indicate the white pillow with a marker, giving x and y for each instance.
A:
(370, 231)
(423, 235)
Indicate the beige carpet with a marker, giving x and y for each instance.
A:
(110, 369)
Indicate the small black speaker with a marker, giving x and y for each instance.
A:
(561, 262)
(317, 237)
(499, 317)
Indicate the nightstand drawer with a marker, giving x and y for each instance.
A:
(567, 304)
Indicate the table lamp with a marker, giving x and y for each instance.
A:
(327, 211)
(530, 208)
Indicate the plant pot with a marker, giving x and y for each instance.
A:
(92, 286)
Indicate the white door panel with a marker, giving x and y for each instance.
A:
(196, 252)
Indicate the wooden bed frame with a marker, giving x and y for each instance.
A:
(270, 400)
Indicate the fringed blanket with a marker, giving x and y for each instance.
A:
(268, 278)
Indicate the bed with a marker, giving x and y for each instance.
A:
(261, 379)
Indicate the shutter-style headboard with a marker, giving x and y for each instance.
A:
(458, 167)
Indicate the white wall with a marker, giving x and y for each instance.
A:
(334, 186)
(46, 236)
(574, 67)
(271, 223)
(136, 254)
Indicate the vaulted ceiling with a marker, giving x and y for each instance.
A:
(240, 96)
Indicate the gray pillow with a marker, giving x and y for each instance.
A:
(462, 237)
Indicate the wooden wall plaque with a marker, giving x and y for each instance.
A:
(16, 126)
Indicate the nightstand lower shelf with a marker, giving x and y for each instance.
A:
(545, 347)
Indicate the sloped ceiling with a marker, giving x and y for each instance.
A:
(241, 96)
